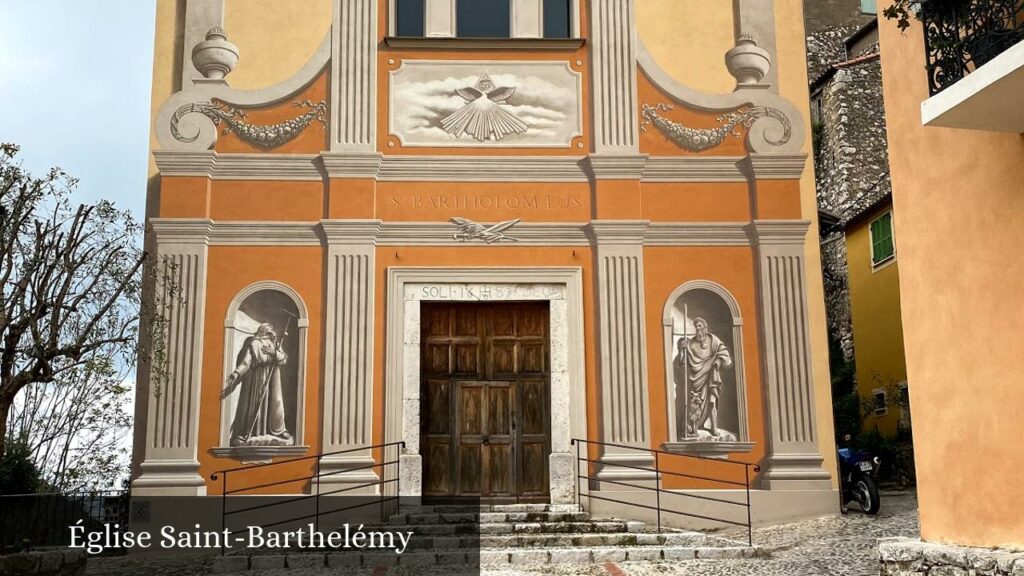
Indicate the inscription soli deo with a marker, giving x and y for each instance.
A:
(484, 292)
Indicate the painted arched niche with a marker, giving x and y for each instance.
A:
(704, 369)
(262, 411)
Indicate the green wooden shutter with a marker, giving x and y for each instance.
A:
(882, 246)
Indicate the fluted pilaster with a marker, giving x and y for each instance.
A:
(171, 380)
(794, 460)
(353, 68)
(613, 61)
(348, 353)
(624, 395)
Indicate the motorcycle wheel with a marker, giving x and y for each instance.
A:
(866, 494)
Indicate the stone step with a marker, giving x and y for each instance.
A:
(487, 557)
(467, 528)
(471, 509)
(488, 517)
(543, 540)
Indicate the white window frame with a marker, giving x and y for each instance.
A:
(527, 19)
(875, 266)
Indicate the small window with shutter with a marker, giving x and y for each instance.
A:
(883, 247)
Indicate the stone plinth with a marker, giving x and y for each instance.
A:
(906, 557)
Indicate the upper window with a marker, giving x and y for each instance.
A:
(483, 18)
(879, 402)
(883, 248)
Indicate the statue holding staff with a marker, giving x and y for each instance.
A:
(260, 415)
(701, 360)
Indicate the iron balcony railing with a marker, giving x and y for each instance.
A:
(44, 520)
(290, 509)
(667, 464)
(962, 35)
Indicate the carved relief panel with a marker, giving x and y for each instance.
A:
(704, 371)
(485, 104)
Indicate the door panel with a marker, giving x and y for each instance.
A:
(485, 398)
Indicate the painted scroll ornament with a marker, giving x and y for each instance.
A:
(262, 136)
(700, 139)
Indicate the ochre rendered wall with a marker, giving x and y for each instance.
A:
(957, 195)
(689, 38)
(877, 330)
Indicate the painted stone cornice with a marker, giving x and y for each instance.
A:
(697, 234)
(185, 163)
(617, 166)
(483, 169)
(360, 232)
(619, 232)
(694, 169)
(182, 230)
(352, 165)
(775, 166)
(778, 232)
(266, 234)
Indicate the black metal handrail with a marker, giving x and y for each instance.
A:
(657, 488)
(39, 520)
(316, 493)
(962, 35)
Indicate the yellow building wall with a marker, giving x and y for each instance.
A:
(958, 195)
(877, 328)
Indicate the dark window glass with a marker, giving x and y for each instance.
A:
(411, 17)
(483, 19)
(556, 18)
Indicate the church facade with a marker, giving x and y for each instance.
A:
(487, 231)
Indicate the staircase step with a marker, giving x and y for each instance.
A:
(487, 557)
(488, 517)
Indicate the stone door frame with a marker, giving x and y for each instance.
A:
(561, 287)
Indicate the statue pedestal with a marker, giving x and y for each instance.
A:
(708, 446)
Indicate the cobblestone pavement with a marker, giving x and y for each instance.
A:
(831, 546)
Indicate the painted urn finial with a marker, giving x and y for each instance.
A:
(215, 57)
(747, 62)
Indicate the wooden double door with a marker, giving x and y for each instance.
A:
(485, 429)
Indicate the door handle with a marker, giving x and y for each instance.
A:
(487, 440)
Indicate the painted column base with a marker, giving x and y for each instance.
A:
(905, 557)
(795, 472)
(347, 476)
(169, 478)
(636, 469)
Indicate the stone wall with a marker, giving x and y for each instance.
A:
(821, 14)
(905, 557)
(55, 563)
(850, 154)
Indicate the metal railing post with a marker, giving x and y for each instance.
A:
(316, 517)
(223, 510)
(750, 524)
(579, 494)
(657, 488)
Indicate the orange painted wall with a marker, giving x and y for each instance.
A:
(957, 199)
(665, 269)
(230, 270)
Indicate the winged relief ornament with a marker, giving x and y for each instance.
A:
(483, 117)
(469, 230)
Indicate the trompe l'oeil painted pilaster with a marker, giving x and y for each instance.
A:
(613, 57)
(348, 354)
(794, 460)
(173, 373)
(354, 74)
(624, 395)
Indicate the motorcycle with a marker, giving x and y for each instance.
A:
(858, 471)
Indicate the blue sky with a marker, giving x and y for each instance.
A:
(75, 91)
